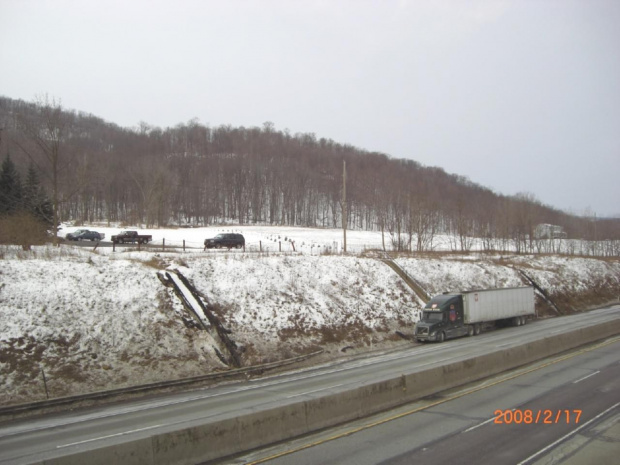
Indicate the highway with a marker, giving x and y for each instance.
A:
(50, 436)
(526, 416)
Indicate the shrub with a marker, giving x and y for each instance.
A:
(22, 229)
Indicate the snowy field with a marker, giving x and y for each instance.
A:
(257, 238)
(97, 319)
(319, 241)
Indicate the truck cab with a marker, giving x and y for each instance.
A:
(442, 318)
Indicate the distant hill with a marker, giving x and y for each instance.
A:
(200, 175)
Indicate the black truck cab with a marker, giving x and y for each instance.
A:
(442, 318)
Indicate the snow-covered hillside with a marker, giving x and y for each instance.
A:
(97, 319)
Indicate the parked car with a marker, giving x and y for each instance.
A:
(85, 235)
(225, 240)
(73, 236)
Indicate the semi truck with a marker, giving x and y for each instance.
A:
(451, 315)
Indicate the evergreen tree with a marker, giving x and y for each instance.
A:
(36, 201)
(10, 188)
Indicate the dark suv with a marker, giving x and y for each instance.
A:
(225, 240)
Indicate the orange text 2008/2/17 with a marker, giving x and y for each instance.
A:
(528, 417)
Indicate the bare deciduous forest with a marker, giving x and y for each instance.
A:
(193, 174)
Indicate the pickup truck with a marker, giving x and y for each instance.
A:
(131, 237)
(85, 235)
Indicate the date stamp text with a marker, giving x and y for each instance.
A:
(543, 417)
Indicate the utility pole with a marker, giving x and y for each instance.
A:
(344, 204)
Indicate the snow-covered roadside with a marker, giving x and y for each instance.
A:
(101, 320)
(574, 283)
(90, 323)
(292, 303)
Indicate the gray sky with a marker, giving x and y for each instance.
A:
(517, 95)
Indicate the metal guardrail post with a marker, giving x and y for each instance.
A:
(47, 394)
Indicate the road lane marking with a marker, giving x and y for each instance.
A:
(108, 436)
(316, 390)
(482, 424)
(479, 425)
(586, 377)
(566, 436)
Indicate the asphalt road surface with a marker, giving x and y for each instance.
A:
(56, 435)
(562, 412)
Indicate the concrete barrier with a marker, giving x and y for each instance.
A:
(227, 437)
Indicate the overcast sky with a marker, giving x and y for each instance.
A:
(516, 95)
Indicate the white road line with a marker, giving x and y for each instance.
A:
(316, 390)
(436, 361)
(108, 436)
(586, 377)
(563, 438)
(481, 424)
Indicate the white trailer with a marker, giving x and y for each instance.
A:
(498, 304)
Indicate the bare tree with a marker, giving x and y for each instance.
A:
(47, 128)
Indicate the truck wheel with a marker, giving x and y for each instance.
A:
(121, 241)
(470, 331)
(476, 329)
(441, 337)
(523, 320)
